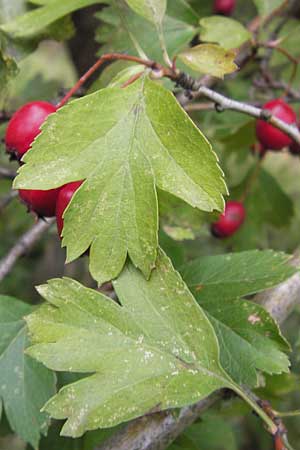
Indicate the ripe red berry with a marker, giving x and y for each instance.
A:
(43, 203)
(25, 125)
(224, 7)
(64, 198)
(230, 221)
(269, 136)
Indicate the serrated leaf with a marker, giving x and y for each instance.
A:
(121, 27)
(152, 10)
(124, 143)
(25, 385)
(210, 59)
(228, 276)
(266, 7)
(227, 32)
(34, 22)
(156, 351)
(249, 338)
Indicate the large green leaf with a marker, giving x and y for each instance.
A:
(227, 32)
(25, 385)
(34, 22)
(124, 143)
(249, 338)
(122, 27)
(210, 59)
(153, 10)
(156, 351)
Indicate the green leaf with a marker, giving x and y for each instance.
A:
(227, 32)
(249, 338)
(34, 22)
(228, 276)
(156, 351)
(152, 10)
(25, 385)
(124, 143)
(210, 59)
(120, 28)
(266, 7)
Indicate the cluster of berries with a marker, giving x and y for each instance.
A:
(22, 129)
(269, 138)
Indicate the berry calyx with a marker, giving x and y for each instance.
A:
(25, 125)
(43, 203)
(258, 149)
(64, 198)
(230, 221)
(270, 137)
(225, 7)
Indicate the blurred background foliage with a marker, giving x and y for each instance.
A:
(46, 67)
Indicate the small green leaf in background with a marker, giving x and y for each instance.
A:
(157, 350)
(124, 143)
(266, 7)
(120, 27)
(25, 385)
(152, 10)
(248, 336)
(209, 59)
(34, 22)
(227, 32)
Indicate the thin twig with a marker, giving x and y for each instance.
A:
(225, 103)
(23, 245)
(104, 58)
(4, 201)
(6, 173)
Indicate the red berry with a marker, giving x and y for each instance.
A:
(25, 125)
(224, 7)
(64, 198)
(43, 203)
(230, 221)
(269, 136)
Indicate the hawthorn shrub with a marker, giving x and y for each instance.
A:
(162, 138)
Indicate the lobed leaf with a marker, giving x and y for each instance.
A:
(124, 143)
(156, 351)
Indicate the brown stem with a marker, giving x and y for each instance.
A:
(99, 63)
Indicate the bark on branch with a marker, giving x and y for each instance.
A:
(25, 243)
